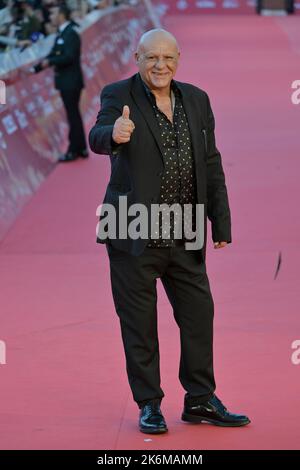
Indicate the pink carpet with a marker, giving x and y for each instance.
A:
(64, 385)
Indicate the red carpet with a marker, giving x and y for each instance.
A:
(64, 385)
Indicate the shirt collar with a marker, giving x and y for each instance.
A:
(173, 85)
(63, 26)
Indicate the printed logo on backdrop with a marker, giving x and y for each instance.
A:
(205, 4)
(212, 5)
(9, 124)
(2, 352)
(3, 144)
(2, 92)
(296, 94)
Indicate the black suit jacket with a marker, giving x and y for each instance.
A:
(65, 57)
(137, 166)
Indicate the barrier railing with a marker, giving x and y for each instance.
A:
(33, 127)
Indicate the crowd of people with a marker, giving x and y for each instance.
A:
(23, 22)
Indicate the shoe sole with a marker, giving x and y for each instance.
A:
(154, 431)
(197, 419)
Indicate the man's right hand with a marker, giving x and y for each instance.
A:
(123, 127)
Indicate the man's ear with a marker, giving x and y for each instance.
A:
(136, 57)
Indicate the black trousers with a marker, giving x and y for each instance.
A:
(71, 99)
(184, 277)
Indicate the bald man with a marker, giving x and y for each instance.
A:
(159, 134)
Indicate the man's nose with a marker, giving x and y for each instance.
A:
(160, 63)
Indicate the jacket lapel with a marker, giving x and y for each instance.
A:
(144, 105)
(194, 117)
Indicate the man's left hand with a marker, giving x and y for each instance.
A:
(218, 245)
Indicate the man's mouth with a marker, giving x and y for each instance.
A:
(160, 74)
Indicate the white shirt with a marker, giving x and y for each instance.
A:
(63, 26)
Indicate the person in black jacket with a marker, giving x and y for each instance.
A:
(65, 58)
(159, 134)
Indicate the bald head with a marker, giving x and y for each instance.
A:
(157, 57)
(154, 37)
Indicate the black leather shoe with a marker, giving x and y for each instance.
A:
(151, 420)
(212, 411)
(67, 157)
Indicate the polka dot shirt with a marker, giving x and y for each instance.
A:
(178, 183)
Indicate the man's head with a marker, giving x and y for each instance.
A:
(27, 7)
(59, 15)
(157, 58)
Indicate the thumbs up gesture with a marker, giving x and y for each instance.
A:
(123, 127)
